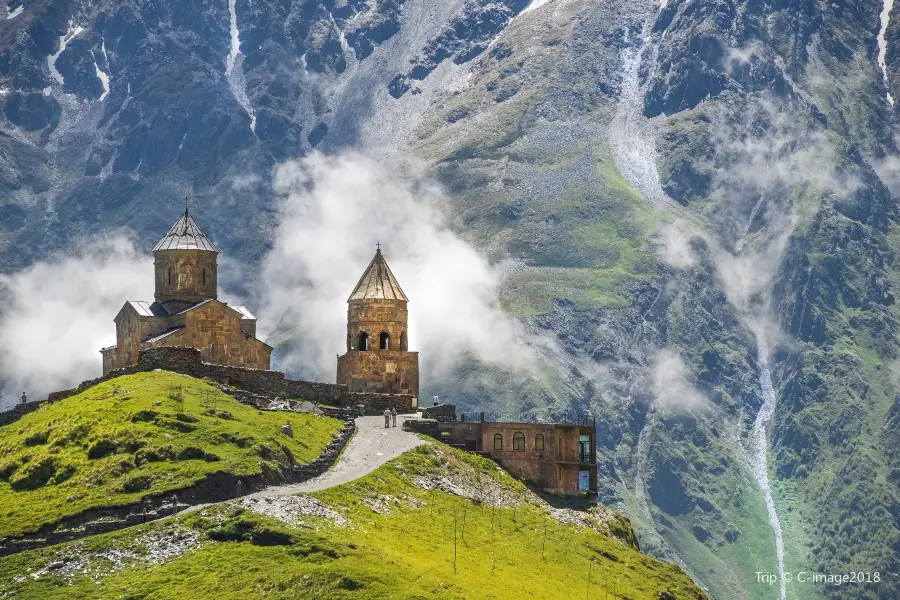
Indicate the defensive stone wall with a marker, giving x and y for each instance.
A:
(442, 413)
(269, 383)
(17, 412)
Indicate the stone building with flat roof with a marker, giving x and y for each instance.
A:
(378, 357)
(186, 310)
(556, 457)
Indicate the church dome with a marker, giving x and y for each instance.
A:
(185, 235)
(378, 283)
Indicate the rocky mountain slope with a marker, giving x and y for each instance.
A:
(696, 199)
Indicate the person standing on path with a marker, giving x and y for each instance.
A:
(239, 489)
(24, 397)
(394, 416)
(174, 504)
(387, 418)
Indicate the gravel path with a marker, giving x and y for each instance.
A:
(370, 447)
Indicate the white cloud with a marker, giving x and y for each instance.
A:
(674, 245)
(57, 314)
(333, 211)
(671, 388)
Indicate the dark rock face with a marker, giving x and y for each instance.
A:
(464, 38)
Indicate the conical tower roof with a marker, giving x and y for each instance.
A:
(185, 235)
(378, 282)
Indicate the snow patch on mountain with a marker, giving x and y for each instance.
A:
(632, 134)
(73, 31)
(535, 4)
(14, 12)
(234, 70)
(103, 77)
(882, 45)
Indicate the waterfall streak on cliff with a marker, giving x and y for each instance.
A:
(760, 447)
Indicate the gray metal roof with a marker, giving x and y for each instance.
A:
(162, 335)
(185, 235)
(245, 313)
(378, 282)
(199, 304)
(143, 309)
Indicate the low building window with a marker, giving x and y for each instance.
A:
(498, 441)
(539, 442)
(519, 441)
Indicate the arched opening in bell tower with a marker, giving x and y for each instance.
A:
(383, 341)
(362, 341)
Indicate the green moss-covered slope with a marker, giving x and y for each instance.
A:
(131, 437)
(388, 535)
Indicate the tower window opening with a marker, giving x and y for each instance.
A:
(362, 341)
(203, 277)
(170, 275)
(383, 340)
(403, 344)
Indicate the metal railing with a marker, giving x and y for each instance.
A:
(559, 419)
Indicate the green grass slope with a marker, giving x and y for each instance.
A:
(127, 438)
(434, 523)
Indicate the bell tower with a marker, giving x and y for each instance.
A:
(378, 357)
(186, 264)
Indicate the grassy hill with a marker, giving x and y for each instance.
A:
(136, 436)
(434, 523)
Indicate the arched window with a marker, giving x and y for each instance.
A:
(539, 442)
(384, 340)
(498, 441)
(203, 277)
(170, 275)
(518, 441)
(403, 345)
(362, 341)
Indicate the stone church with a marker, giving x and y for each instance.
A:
(378, 357)
(186, 310)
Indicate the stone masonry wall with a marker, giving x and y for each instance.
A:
(382, 371)
(271, 383)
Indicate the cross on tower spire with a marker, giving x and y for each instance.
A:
(187, 200)
(378, 246)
